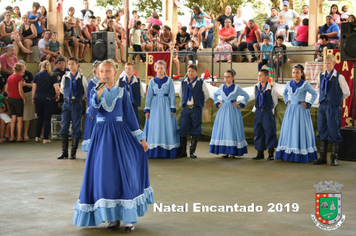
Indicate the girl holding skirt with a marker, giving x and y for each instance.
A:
(228, 135)
(161, 123)
(297, 140)
(116, 184)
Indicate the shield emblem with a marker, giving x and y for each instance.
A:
(328, 207)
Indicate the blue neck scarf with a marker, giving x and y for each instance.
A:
(260, 97)
(160, 82)
(72, 86)
(325, 81)
(295, 85)
(190, 89)
(228, 90)
(130, 88)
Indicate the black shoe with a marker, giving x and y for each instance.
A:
(225, 156)
(253, 59)
(323, 145)
(64, 147)
(334, 153)
(113, 226)
(183, 147)
(193, 146)
(270, 154)
(260, 156)
(244, 59)
(73, 151)
(129, 228)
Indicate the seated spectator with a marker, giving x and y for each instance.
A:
(253, 35)
(345, 14)
(175, 58)
(3, 79)
(208, 34)
(71, 40)
(154, 32)
(84, 44)
(97, 23)
(279, 52)
(165, 37)
(331, 30)
(301, 34)
(9, 34)
(266, 48)
(335, 14)
(324, 43)
(59, 71)
(200, 26)
(35, 18)
(182, 39)
(87, 32)
(8, 60)
(42, 49)
(86, 13)
(43, 17)
(111, 28)
(17, 19)
(227, 36)
(5, 119)
(54, 46)
(266, 33)
(109, 16)
(154, 20)
(2, 14)
(351, 18)
(145, 42)
(239, 22)
(282, 29)
(16, 99)
(28, 34)
(71, 12)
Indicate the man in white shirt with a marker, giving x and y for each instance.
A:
(86, 13)
(43, 52)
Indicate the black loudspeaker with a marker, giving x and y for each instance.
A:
(103, 45)
(348, 41)
(347, 149)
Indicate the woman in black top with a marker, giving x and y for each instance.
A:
(29, 35)
(43, 98)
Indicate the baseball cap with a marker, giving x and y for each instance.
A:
(285, 3)
(265, 26)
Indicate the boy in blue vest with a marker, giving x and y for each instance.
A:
(332, 88)
(74, 88)
(193, 94)
(264, 125)
(133, 86)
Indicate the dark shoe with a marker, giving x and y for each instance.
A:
(225, 156)
(260, 155)
(323, 145)
(113, 225)
(270, 154)
(64, 147)
(193, 146)
(243, 59)
(73, 151)
(129, 228)
(334, 153)
(253, 59)
(183, 147)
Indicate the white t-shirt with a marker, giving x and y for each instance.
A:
(85, 16)
(41, 44)
(289, 17)
(136, 36)
(239, 23)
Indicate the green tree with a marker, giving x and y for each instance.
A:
(112, 4)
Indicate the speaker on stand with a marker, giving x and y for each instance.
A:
(347, 150)
(103, 45)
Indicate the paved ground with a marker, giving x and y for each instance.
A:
(37, 193)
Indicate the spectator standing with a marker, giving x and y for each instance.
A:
(272, 20)
(289, 16)
(35, 18)
(301, 34)
(345, 14)
(239, 22)
(154, 20)
(135, 34)
(305, 15)
(334, 12)
(86, 13)
(8, 60)
(222, 18)
(28, 34)
(253, 35)
(282, 29)
(208, 34)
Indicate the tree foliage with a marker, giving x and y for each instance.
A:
(110, 4)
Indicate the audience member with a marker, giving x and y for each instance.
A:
(88, 30)
(279, 52)
(70, 12)
(208, 34)
(165, 37)
(2, 14)
(135, 34)
(5, 119)
(182, 39)
(97, 23)
(324, 43)
(330, 29)
(86, 13)
(289, 16)
(239, 22)
(3, 79)
(345, 14)
(16, 17)
(54, 46)
(227, 36)
(28, 33)
(109, 16)
(301, 34)
(43, 17)
(70, 39)
(59, 71)
(200, 26)
(134, 19)
(266, 48)
(253, 35)
(42, 49)
(351, 18)
(35, 18)
(272, 20)
(222, 18)
(145, 42)
(304, 15)
(336, 16)
(175, 59)
(153, 20)
(266, 33)
(282, 29)
(8, 60)
(154, 32)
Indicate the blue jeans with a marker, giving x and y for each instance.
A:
(209, 41)
(300, 44)
(44, 108)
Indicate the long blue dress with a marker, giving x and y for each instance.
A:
(89, 121)
(228, 135)
(116, 184)
(161, 127)
(297, 140)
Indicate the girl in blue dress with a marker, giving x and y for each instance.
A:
(161, 123)
(116, 184)
(297, 140)
(228, 135)
(90, 121)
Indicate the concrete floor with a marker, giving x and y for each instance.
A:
(37, 193)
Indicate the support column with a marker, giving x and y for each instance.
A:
(55, 20)
(170, 15)
(315, 20)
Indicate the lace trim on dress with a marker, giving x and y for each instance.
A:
(111, 108)
(297, 150)
(228, 143)
(165, 146)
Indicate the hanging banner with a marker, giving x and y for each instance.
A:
(347, 70)
(153, 57)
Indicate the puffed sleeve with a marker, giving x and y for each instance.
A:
(216, 95)
(241, 92)
(285, 94)
(314, 94)
(130, 117)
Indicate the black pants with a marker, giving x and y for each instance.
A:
(264, 62)
(44, 108)
(249, 46)
(137, 48)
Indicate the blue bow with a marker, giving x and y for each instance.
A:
(72, 86)
(130, 88)
(190, 89)
(260, 97)
(325, 81)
